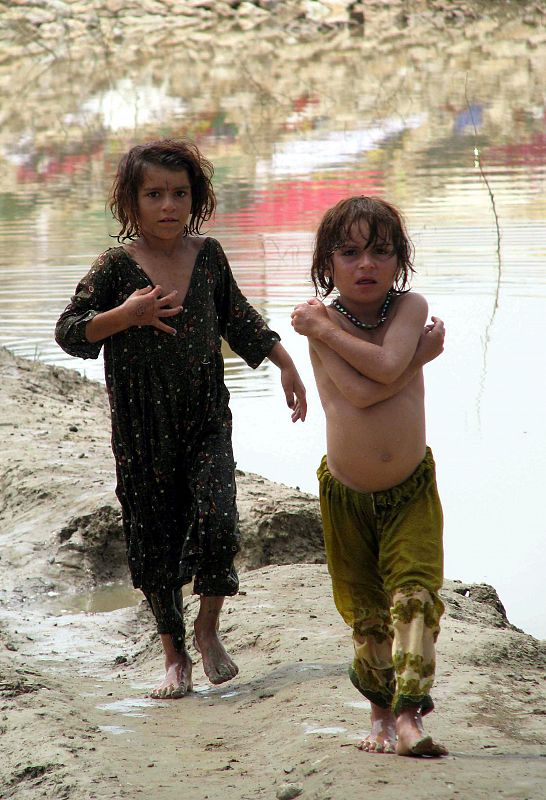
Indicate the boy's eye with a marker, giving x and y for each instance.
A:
(383, 250)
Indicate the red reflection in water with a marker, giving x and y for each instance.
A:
(44, 166)
(273, 235)
(299, 204)
(531, 152)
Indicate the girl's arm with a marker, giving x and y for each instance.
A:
(363, 392)
(142, 307)
(383, 363)
(95, 293)
(294, 390)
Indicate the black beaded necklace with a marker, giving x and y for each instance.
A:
(366, 326)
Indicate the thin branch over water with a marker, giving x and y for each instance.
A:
(487, 334)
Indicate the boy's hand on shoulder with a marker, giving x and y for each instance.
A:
(431, 342)
(310, 318)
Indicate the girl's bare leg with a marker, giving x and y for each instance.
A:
(218, 665)
(177, 682)
(382, 735)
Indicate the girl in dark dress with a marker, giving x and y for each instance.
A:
(160, 304)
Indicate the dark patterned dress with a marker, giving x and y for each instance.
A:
(171, 424)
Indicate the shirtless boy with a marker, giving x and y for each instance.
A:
(381, 513)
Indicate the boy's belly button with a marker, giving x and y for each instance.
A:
(385, 457)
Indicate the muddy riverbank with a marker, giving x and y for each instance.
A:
(75, 667)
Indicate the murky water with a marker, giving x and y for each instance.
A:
(100, 600)
(452, 131)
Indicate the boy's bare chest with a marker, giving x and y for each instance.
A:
(375, 336)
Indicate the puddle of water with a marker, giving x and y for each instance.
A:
(211, 691)
(308, 667)
(128, 706)
(358, 704)
(114, 729)
(203, 690)
(332, 730)
(101, 600)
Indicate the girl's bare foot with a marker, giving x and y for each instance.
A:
(177, 681)
(412, 739)
(217, 664)
(382, 735)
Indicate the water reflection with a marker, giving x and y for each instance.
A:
(127, 107)
(291, 129)
(332, 149)
(99, 600)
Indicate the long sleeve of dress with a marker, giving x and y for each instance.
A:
(241, 325)
(94, 293)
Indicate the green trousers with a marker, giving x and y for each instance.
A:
(385, 559)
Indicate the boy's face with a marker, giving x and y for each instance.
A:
(362, 272)
(164, 202)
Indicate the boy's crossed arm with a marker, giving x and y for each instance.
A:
(363, 392)
(383, 363)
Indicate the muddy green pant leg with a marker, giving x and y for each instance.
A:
(411, 562)
(352, 552)
(372, 670)
(416, 620)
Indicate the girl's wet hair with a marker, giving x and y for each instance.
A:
(172, 154)
(386, 226)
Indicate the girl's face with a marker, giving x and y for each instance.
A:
(164, 202)
(362, 273)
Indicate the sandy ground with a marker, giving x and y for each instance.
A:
(75, 721)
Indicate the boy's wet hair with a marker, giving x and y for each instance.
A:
(386, 226)
(172, 154)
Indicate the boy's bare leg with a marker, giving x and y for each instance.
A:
(218, 665)
(412, 739)
(382, 735)
(177, 682)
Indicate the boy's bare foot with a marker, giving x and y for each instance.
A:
(412, 739)
(217, 664)
(382, 736)
(177, 681)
